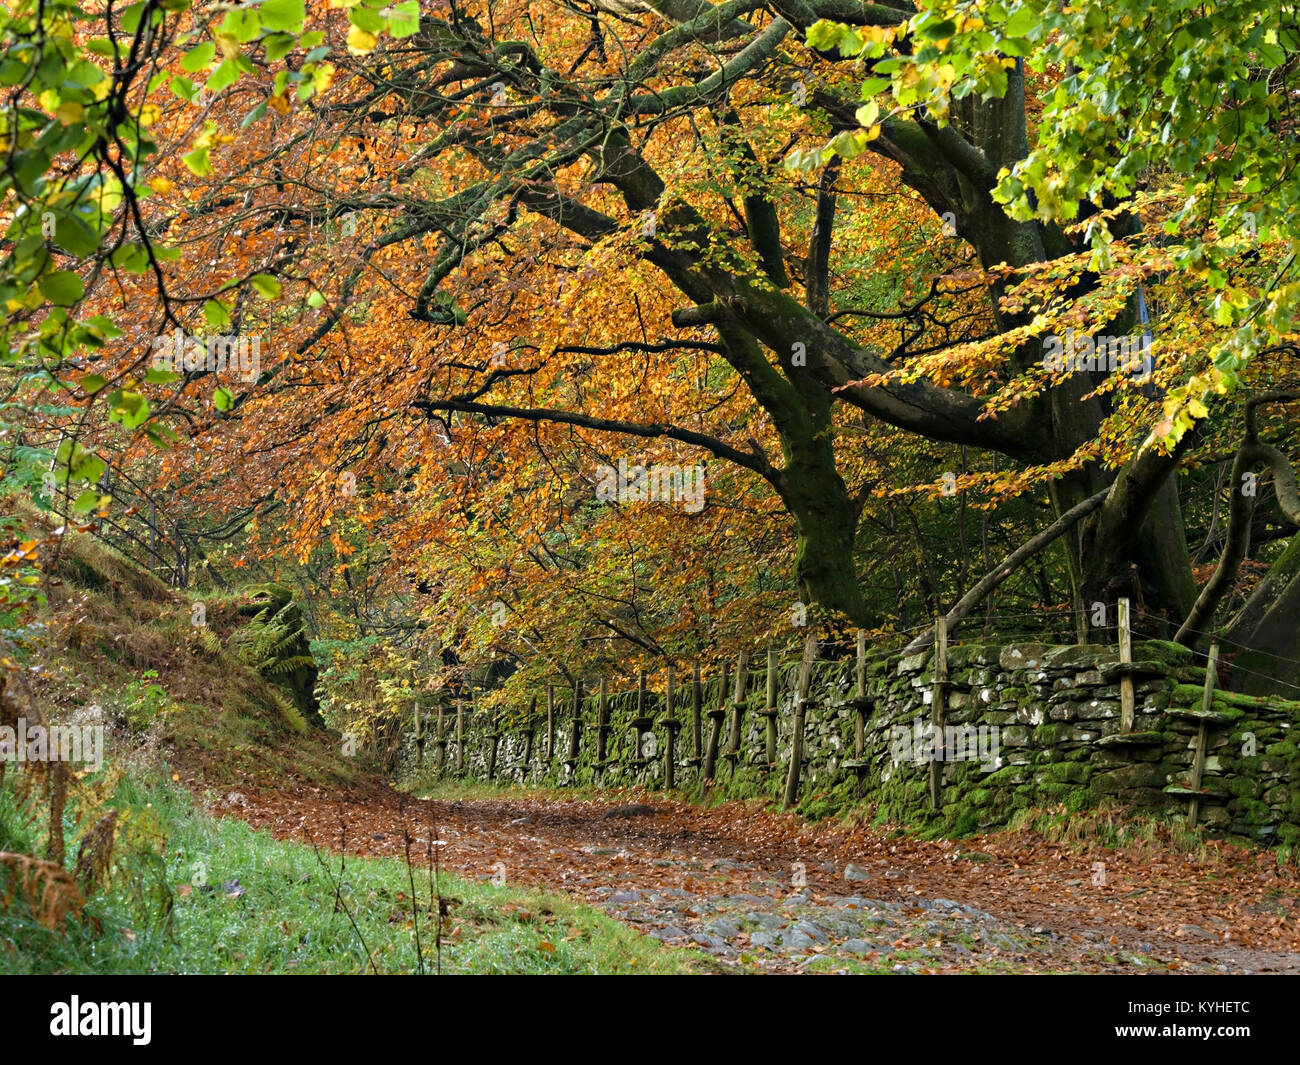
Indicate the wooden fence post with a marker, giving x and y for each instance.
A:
(575, 733)
(494, 740)
(939, 751)
(858, 765)
(697, 708)
(530, 726)
(602, 724)
(460, 734)
(440, 762)
(1198, 758)
(671, 725)
(800, 716)
(550, 724)
(770, 709)
(641, 722)
(1126, 696)
(716, 716)
(738, 710)
(860, 727)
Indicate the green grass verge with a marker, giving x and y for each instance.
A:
(193, 894)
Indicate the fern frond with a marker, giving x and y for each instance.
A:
(289, 711)
(288, 665)
(50, 891)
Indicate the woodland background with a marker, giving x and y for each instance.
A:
(475, 252)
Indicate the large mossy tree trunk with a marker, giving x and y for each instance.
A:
(826, 517)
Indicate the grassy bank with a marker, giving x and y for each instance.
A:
(189, 893)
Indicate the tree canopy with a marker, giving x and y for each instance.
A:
(902, 288)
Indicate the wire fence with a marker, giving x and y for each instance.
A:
(717, 668)
(1235, 668)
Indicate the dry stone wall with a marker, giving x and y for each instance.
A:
(1027, 725)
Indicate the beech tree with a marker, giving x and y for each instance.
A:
(705, 176)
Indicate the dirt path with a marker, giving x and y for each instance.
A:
(768, 892)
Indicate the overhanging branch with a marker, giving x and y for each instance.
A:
(646, 430)
(1008, 566)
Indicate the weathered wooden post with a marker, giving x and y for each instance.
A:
(602, 724)
(937, 697)
(575, 732)
(738, 710)
(440, 762)
(1198, 758)
(716, 717)
(641, 722)
(671, 725)
(460, 734)
(770, 710)
(1126, 696)
(697, 706)
(550, 724)
(800, 716)
(860, 671)
(858, 764)
(530, 727)
(494, 742)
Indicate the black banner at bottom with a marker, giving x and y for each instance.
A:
(169, 1014)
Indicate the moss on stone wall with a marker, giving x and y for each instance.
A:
(1052, 713)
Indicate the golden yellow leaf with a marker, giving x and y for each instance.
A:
(361, 42)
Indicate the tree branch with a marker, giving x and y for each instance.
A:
(1008, 566)
(650, 430)
(1240, 512)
